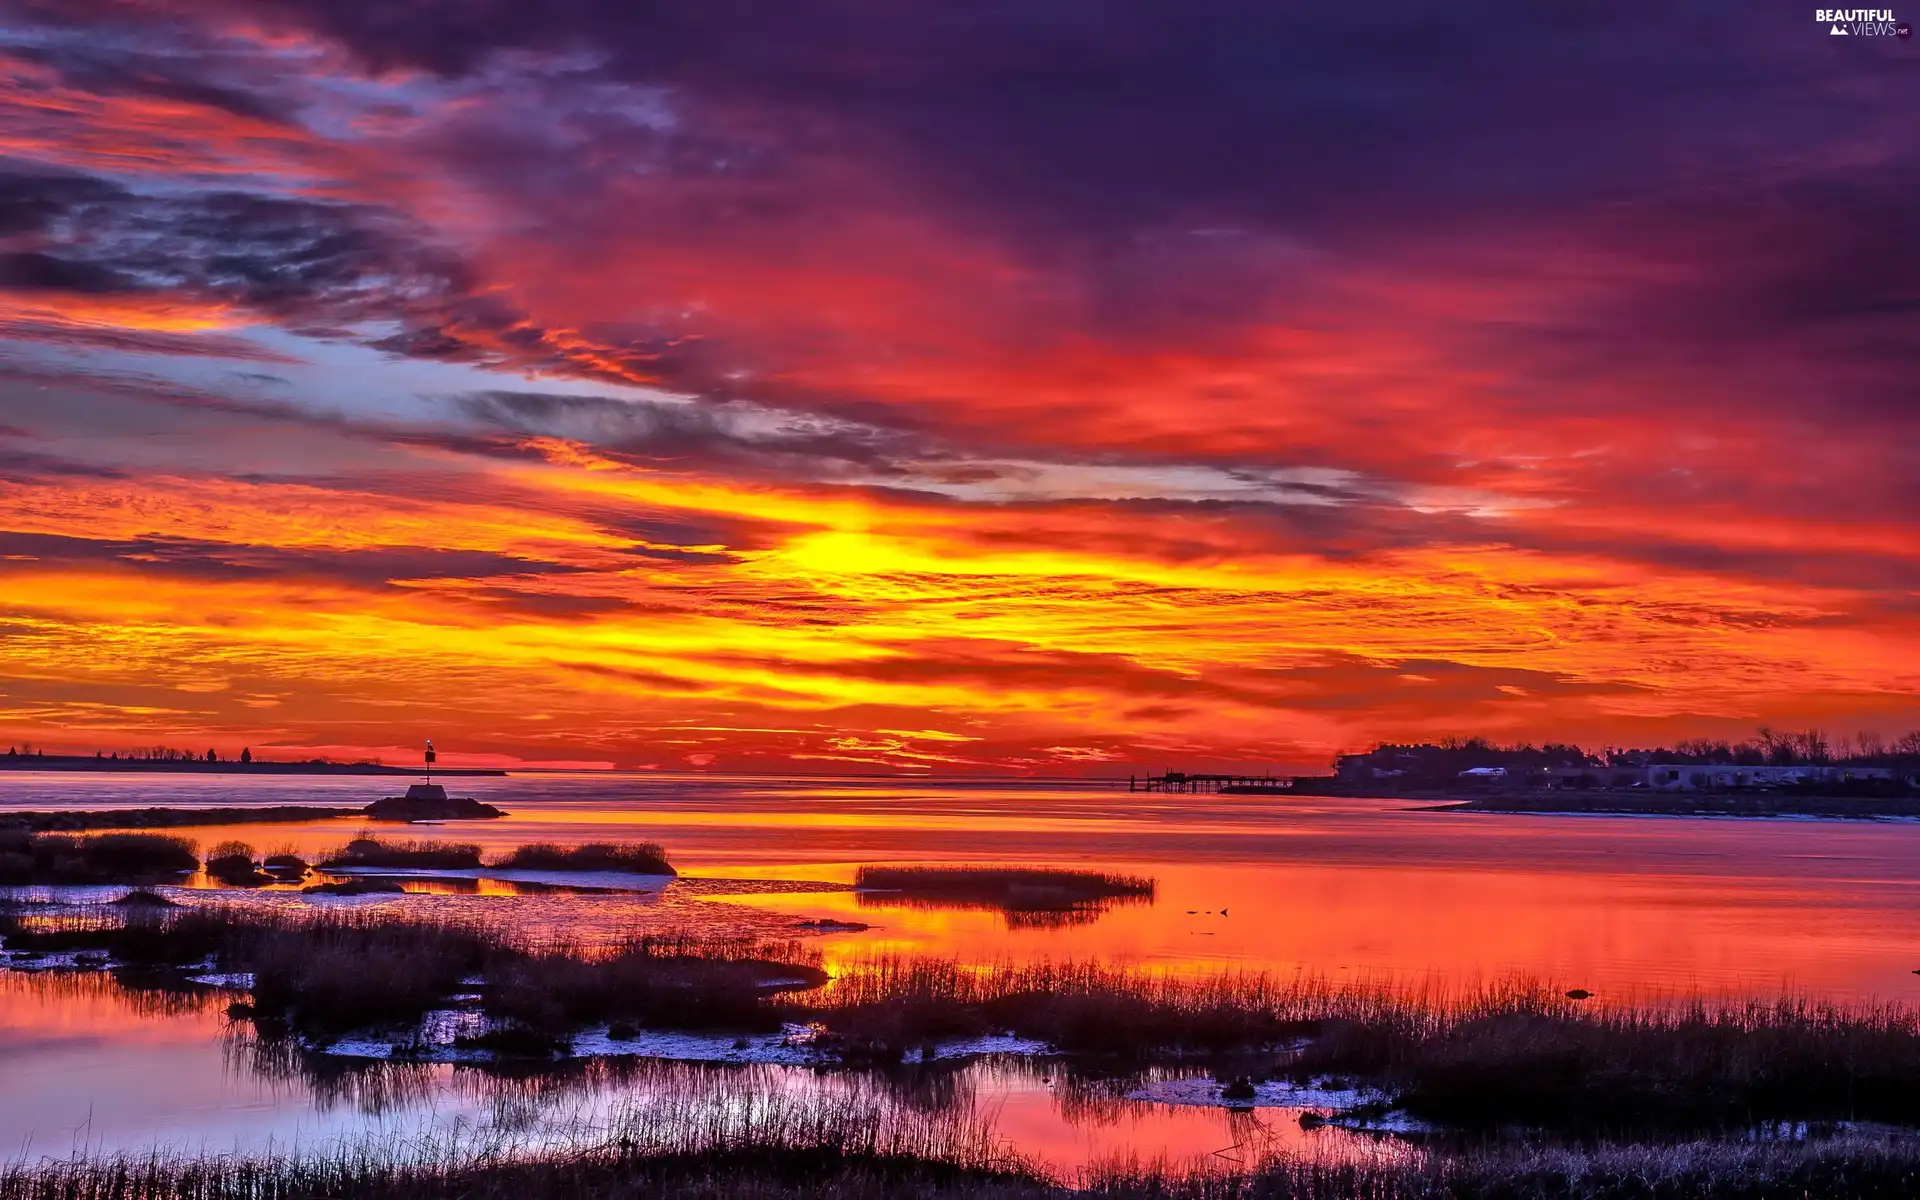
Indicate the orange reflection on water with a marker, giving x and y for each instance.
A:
(1335, 887)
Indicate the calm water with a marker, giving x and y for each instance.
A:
(1337, 887)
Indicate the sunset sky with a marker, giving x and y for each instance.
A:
(1054, 387)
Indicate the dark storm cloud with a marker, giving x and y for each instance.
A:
(1094, 121)
(1127, 113)
(26, 464)
(188, 558)
(30, 201)
(30, 271)
(700, 434)
(295, 259)
(130, 70)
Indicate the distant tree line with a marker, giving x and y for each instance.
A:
(1448, 757)
(164, 754)
(1788, 748)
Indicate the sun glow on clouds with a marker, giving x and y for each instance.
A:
(568, 399)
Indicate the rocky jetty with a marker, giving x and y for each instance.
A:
(430, 802)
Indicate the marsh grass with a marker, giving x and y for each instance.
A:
(318, 973)
(715, 1137)
(661, 981)
(1508, 1054)
(639, 858)
(1514, 1053)
(347, 971)
(1013, 889)
(636, 858)
(59, 858)
(232, 863)
(369, 851)
(138, 935)
(888, 1003)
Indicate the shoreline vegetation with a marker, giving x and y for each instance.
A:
(188, 765)
(81, 820)
(1480, 1061)
(396, 809)
(1684, 804)
(50, 859)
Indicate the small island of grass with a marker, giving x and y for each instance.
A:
(1030, 889)
(373, 853)
(633, 858)
(51, 858)
(370, 852)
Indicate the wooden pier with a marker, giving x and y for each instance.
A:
(1230, 785)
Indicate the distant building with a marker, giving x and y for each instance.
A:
(1716, 777)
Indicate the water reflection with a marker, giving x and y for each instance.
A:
(1016, 916)
(92, 1063)
(1325, 884)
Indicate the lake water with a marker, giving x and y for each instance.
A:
(1630, 908)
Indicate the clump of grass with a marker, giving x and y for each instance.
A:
(638, 858)
(139, 935)
(317, 974)
(232, 863)
(285, 862)
(380, 852)
(888, 1003)
(1028, 890)
(354, 887)
(669, 981)
(52, 858)
(1529, 1056)
(340, 972)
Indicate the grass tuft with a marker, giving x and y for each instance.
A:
(638, 858)
(1016, 889)
(380, 852)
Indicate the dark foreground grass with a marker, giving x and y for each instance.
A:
(55, 858)
(839, 1157)
(1512, 1055)
(319, 974)
(672, 981)
(1015, 889)
(637, 858)
(325, 974)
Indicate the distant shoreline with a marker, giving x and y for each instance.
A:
(88, 820)
(1853, 808)
(79, 762)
